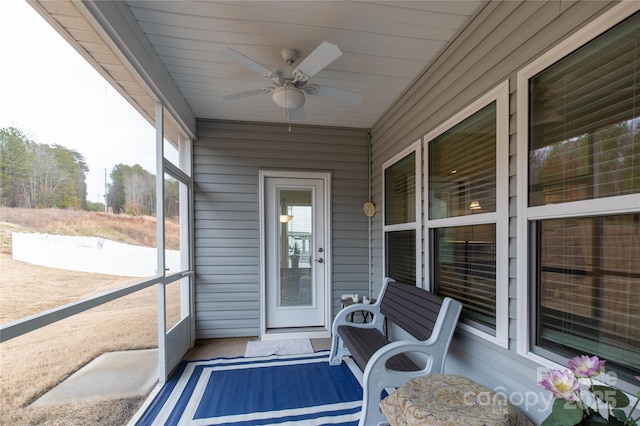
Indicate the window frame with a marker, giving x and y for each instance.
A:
(499, 95)
(585, 208)
(416, 226)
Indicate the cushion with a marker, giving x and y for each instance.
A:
(449, 400)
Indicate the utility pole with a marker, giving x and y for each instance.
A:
(105, 191)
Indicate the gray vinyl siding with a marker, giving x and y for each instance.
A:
(501, 39)
(227, 159)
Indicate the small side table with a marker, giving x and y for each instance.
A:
(366, 315)
(449, 399)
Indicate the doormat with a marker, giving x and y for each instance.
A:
(278, 347)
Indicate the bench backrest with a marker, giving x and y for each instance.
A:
(414, 309)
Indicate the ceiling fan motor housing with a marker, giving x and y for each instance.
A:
(289, 55)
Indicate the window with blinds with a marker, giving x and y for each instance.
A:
(401, 255)
(462, 183)
(400, 191)
(584, 144)
(400, 226)
(465, 269)
(584, 140)
(462, 167)
(588, 297)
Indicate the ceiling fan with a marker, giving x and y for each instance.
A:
(290, 84)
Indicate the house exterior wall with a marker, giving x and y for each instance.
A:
(503, 37)
(227, 159)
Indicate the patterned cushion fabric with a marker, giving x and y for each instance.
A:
(449, 400)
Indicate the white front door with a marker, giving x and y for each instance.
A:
(295, 253)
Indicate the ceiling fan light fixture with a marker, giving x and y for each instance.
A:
(288, 97)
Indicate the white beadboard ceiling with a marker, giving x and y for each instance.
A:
(385, 45)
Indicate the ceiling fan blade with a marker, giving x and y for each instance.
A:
(296, 114)
(246, 61)
(240, 95)
(334, 93)
(322, 56)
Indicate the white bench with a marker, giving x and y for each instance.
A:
(428, 322)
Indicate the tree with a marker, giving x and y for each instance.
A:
(132, 190)
(171, 197)
(37, 175)
(15, 161)
(73, 171)
(115, 192)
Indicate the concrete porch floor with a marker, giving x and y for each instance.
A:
(134, 373)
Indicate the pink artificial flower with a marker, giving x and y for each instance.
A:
(585, 366)
(562, 384)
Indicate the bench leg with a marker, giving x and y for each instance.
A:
(371, 414)
(335, 357)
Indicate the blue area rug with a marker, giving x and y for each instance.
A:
(274, 390)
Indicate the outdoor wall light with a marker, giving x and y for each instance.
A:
(284, 218)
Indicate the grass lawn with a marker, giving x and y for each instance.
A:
(33, 363)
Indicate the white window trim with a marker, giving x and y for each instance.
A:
(417, 148)
(628, 203)
(500, 95)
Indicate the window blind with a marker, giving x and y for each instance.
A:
(589, 292)
(585, 118)
(462, 167)
(401, 255)
(400, 191)
(465, 269)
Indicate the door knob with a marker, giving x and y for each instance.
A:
(319, 260)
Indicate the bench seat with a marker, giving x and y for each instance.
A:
(365, 342)
(428, 322)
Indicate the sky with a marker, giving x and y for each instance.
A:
(53, 96)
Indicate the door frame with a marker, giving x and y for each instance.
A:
(312, 332)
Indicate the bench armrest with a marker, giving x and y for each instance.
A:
(342, 317)
(379, 358)
(377, 376)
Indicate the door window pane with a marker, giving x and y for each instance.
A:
(295, 243)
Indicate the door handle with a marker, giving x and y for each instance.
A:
(319, 260)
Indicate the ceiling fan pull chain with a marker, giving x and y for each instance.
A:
(286, 112)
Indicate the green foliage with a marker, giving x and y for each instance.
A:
(94, 207)
(34, 175)
(611, 396)
(564, 413)
(14, 165)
